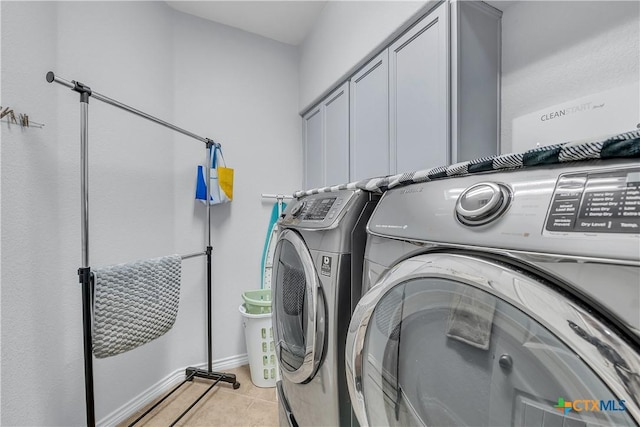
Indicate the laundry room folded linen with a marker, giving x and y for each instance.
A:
(134, 303)
(471, 318)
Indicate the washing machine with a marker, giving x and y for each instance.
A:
(502, 299)
(316, 283)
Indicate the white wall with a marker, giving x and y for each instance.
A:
(36, 312)
(240, 90)
(345, 33)
(558, 51)
(237, 88)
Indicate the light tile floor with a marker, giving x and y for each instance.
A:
(222, 406)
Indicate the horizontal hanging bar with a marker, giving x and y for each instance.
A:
(51, 77)
(276, 196)
(193, 255)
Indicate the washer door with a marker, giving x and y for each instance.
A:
(298, 309)
(448, 339)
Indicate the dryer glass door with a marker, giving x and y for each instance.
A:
(453, 340)
(297, 309)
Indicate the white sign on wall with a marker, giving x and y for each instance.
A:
(600, 114)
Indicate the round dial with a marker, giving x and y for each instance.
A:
(297, 209)
(482, 203)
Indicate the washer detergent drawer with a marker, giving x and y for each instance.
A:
(454, 340)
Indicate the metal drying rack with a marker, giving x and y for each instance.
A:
(84, 272)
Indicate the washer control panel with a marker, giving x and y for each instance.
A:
(318, 210)
(598, 202)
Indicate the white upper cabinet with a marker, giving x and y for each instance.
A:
(370, 120)
(336, 136)
(326, 141)
(429, 98)
(418, 105)
(313, 148)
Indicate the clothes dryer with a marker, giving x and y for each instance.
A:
(502, 299)
(316, 283)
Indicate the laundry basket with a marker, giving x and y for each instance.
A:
(258, 301)
(258, 334)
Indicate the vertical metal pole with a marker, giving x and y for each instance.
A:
(210, 145)
(85, 276)
(84, 179)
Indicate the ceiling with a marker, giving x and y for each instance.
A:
(287, 21)
(284, 21)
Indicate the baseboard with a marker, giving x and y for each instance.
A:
(163, 386)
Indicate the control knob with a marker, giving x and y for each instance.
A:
(296, 211)
(482, 203)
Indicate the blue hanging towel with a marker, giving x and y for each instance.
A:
(269, 247)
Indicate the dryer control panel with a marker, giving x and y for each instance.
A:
(582, 209)
(596, 202)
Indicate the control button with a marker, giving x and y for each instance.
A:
(564, 207)
(560, 222)
(482, 203)
(602, 225)
(568, 194)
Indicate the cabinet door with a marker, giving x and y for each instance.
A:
(313, 149)
(475, 80)
(369, 119)
(336, 136)
(418, 81)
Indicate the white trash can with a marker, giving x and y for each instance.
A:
(261, 350)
